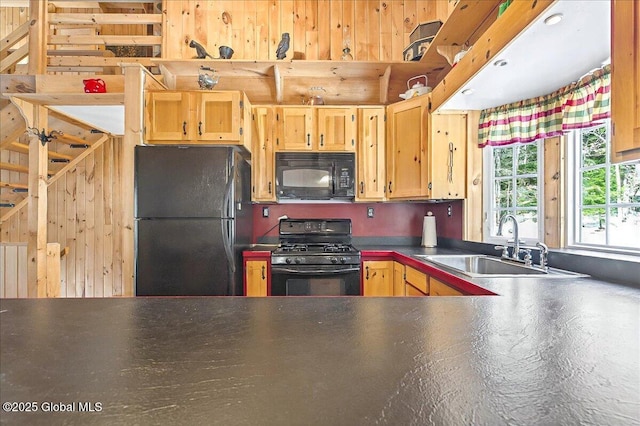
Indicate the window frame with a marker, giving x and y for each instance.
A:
(574, 192)
(489, 195)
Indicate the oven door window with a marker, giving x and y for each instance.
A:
(291, 283)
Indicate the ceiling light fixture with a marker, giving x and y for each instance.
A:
(500, 63)
(467, 91)
(553, 19)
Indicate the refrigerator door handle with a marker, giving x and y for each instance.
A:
(227, 224)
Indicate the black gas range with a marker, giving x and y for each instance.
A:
(315, 258)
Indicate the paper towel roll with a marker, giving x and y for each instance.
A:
(429, 238)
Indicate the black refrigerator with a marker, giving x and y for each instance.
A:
(193, 219)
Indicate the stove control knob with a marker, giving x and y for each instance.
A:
(298, 260)
(334, 260)
(343, 260)
(288, 260)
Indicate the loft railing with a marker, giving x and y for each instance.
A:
(9, 55)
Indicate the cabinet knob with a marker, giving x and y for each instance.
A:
(362, 187)
(200, 128)
(367, 269)
(308, 139)
(269, 187)
(321, 139)
(390, 187)
(263, 273)
(184, 128)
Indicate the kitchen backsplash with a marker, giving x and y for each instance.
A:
(401, 219)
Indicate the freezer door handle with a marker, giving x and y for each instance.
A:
(227, 224)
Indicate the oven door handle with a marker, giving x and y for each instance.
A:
(280, 270)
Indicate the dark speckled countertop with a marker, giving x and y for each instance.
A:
(542, 352)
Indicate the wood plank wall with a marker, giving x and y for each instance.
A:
(319, 29)
(84, 215)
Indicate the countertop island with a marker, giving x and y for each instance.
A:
(556, 352)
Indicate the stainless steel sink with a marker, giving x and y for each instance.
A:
(478, 265)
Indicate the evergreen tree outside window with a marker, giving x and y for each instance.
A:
(606, 195)
(514, 187)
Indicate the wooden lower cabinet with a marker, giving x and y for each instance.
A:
(256, 277)
(377, 278)
(438, 288)
(398, 279)
(416, 279)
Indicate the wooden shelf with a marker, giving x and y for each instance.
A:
(70, 98)
(515, 20)
(464, 25)
(288, 82)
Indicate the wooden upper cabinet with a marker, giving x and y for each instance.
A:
(218, 116)
(197, 117)
(448, 156)
(263, 157)
(168, 116)
(625, 80)
(336, 129)
(315, 128)
(371, 154)
(407, 136)
(295, 129)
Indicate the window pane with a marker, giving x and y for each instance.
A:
(503, 196)
(625, 183)
(593, 187)
(528, 224)
(592, 230)
(624, 227)
(503, 161)
(594, 146)
(527, 159)
(527, 192)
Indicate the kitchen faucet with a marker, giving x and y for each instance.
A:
(516, 240)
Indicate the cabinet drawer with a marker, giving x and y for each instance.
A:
(417, 279)
(412, 291)
(439, 288)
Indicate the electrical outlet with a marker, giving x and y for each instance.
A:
(265, 212)
(449, 210)
(369, 212)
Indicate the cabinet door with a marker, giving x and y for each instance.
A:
(167, 116)
(256, 276)
(370, 153)
(336, 129)
(262, 167)
(378, 278)
(447, 156)
(295, 131)
(407, 123)
(218, 116)
(438, 288)
(625, 80)
(398, 279)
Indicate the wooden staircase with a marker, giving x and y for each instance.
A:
(89, 37)
(76, 140)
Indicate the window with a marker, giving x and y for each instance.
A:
(514, 187)
(606, 195)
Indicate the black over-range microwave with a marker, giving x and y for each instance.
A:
(315, 176)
